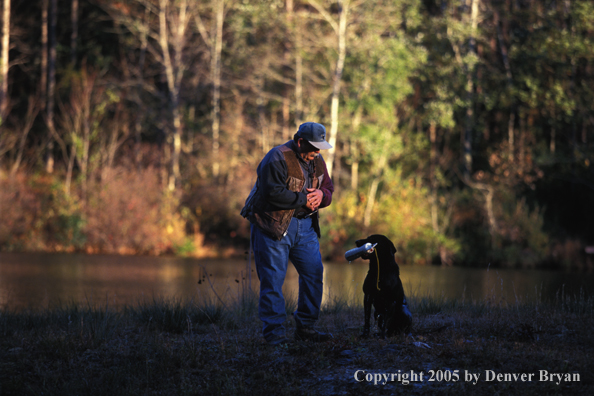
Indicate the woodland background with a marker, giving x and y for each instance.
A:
(463, 129)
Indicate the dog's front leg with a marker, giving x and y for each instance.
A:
(381, 323)
(367, 301)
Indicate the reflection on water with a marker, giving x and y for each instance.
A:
(42, 280)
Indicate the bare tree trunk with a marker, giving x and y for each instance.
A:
(508, 74)
(74, 33)
(342, 26)
(164, 165)
(433, 176)
(84, 169)
(286, 111)
(298, 79)
(489, 192)
(44, 33)
(353, 149)
(173, 75)
(379, 170)
(69, 169)
(355, 175)
(214, 41)
(217, 49)
(467, 135)
(444, 255)
(510, 135)
(552, 145)
(286, 108)
(87, 87)
(53, 14)
(522, 140)
(236, 134)
(32, 111)
(371, 200)
(263, 124)
(4, 60)
(114, 143)
(137, 119)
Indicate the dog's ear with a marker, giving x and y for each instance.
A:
(386, 241)
(392, 247)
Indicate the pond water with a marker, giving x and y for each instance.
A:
(41, 280)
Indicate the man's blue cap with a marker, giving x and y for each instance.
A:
(315, 134)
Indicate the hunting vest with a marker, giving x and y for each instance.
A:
(274, 221)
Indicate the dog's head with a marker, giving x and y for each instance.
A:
(384, 245)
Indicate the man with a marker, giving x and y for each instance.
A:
(292, 185)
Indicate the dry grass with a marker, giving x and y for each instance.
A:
(175, 347)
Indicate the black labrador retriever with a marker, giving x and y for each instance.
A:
(383, 289)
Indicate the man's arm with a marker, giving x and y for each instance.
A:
(321, 197)
(327, 187)
(272, 174)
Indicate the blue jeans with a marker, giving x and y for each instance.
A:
(302, 247)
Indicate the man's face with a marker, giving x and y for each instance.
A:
(307, 151)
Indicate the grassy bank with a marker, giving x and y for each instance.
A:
(185, 348)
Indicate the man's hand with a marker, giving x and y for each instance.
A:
(314, 198)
